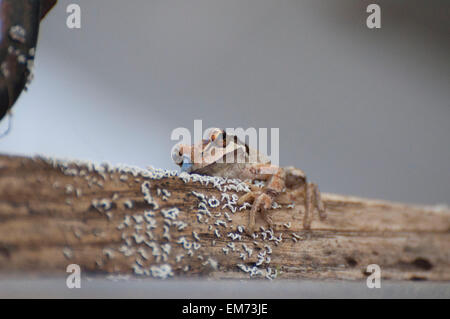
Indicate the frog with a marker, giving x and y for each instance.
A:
(225, 155)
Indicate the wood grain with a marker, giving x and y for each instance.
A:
(55, 213)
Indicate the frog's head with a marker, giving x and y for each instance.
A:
(212, 149)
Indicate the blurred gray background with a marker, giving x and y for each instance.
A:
(363, 112)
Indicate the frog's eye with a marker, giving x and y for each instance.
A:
(216, 134)
(177, 154)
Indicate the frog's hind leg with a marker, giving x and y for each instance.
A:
(248, 197)
(312, 200)
(318, 202)
(308, 206)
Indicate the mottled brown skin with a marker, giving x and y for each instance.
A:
(226, 156)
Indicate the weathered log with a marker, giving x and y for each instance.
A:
(122, 220)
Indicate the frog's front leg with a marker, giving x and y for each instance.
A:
(262, 199)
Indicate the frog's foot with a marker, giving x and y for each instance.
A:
(261, 202)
